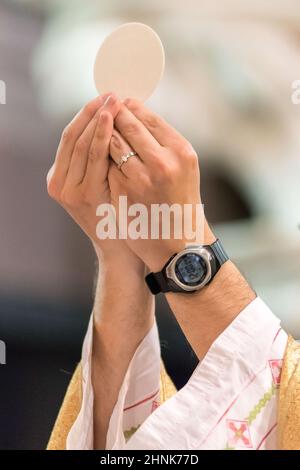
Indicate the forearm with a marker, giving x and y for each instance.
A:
(123, 315)
(203, 315)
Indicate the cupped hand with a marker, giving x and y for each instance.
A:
(165, 171)
(78, 179)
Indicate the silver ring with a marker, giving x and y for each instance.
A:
(125, 158)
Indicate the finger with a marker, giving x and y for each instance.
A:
(117, 181)
(165, 134)
(80, 156)
(98, 158)
(118, 148)
(50, 174)
(136, 134)
(71, 134)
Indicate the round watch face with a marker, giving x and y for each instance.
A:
(191, 269)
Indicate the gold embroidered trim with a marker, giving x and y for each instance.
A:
(68, 412)
(289, 399)
(167, 388)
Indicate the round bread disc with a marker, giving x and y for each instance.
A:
(130, 62)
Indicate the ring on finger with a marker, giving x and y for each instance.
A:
(125, 158)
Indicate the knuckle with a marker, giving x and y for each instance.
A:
(189, 154)
(156, 158)
(81, 145)
(67, 134)
(160, 168)
(151, 121)
(131, 128)
(67, 198)
(168, 172)
(159, 176)
(52, 188)
(164, 168)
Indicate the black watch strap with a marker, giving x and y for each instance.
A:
(158, 282)
(219, 252)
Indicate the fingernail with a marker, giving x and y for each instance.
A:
(110, 100)
(103, 98)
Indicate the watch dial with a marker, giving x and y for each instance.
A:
(191, 269)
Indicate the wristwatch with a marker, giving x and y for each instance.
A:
(190, 270)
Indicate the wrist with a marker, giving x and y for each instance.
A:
(124, 306)
(228, 287)
(205, 314)
(122, 338)
(119, 259)
(120, 332)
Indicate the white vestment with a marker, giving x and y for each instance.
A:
(230, 401)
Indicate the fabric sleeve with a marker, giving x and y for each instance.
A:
(138, 395)
(231, 400)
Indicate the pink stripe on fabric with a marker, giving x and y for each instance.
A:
(142, 401)
(266, 436)
(280, 329)
(233, 402)
(237, 397)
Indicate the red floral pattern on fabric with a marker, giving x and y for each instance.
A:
(238, 433)
(276, 366)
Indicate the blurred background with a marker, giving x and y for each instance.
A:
(227, 87)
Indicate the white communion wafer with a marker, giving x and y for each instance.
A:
(130, 62)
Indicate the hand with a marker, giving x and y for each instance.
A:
(78, 178)
(165, 171)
